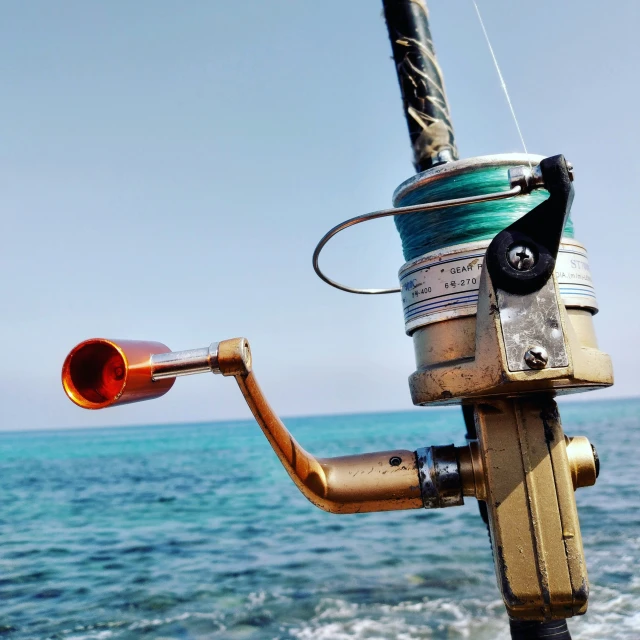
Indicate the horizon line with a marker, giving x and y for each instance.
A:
(413, 409)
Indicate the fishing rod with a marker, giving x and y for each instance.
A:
(498, 301)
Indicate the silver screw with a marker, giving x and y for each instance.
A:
(536, 357)
(521, 257)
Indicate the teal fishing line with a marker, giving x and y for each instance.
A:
(432, 230)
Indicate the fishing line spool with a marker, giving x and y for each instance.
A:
(445, 252)
(466, 203)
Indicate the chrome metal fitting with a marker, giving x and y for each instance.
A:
(530, 178)
(440, 478)
(184, 363)
(521, 257)
(527, 178)
(442, 156)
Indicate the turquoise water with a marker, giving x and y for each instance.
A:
(195, 531)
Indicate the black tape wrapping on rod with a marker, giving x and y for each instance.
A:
(531, 630)
(421, 84)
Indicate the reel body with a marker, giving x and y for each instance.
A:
(504, 326)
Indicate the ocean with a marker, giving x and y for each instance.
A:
(195, 531)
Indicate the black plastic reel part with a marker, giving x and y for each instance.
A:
(540, 231)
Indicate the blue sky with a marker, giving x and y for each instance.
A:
(167, 168)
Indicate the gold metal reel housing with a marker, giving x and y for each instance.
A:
(464, 358)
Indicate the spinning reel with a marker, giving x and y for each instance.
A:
(500, 326)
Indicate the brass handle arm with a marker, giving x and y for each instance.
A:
(383, 481)
(100, 373)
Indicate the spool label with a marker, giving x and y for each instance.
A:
(445, 284)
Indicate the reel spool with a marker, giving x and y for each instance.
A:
(455, 210)
(439, 288)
